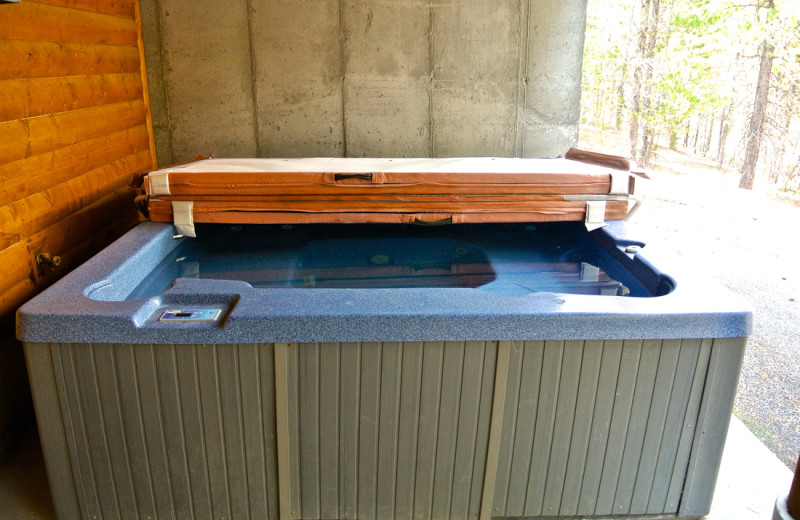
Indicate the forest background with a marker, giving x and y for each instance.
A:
(703, 95)
(717, 78)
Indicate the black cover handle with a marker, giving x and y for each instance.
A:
(342, 176)
(442, 222)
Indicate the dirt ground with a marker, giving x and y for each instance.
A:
(748, 241)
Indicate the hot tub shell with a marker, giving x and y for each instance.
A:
(378, 403)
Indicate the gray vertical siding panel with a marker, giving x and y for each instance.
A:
(581, 428)
(388, 423)
(685, 378)
(161, 430)
(193, 434)
(146, 372)
(601, 422)
(640, 410)
(452, 370)
(654, 440)
(712, 426)
(126, 402)
(329, 412)
(610, 419)
(563, 428)
(387, 430)
(545, 424)
(531, 359)
(208, 385)
(55, 430)
(349, 400)
(452, 366)
(471, 392)
(690, 424)
(368, 430)
(110, 419)
(308, 409)
(72, 415)
(99, 456)
(433, 356)
(269, 440)
(410, 411)
(293, 400)
(233, 441)
(481, 445)
(408, 440)
(256, 439)
(176, 447)
(618, 429)
(506, 459)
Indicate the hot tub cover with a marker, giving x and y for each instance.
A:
(422, 191)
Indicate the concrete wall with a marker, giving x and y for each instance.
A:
(364, 77)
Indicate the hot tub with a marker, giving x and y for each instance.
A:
(368, 371)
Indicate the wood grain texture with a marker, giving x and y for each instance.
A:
(31, 21)
(72, 255)
(11, 298)
(123, 8)
(81, 226)
(41, 172)
(27, 137)
(74, 131)
(23, 98)
(34, 59)
(14, 266)
(31, 214)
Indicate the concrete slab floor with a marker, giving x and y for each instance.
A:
(750, 480)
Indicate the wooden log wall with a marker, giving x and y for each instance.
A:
(75, 130)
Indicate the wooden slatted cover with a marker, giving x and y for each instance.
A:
(387, 190)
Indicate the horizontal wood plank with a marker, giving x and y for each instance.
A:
(43, 22)
(32, 59)
(15, 296)
(58, 238)
(28, 216)
(73, 133)
(36, 135)
(28, 176)
(23, 98)
(117, 217)
(15, 266)
(123, 8)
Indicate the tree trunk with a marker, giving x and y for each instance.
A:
(724, 129)
(641, 132)
(620, 105)
(755, 128)
(787, 110)
(709, 132)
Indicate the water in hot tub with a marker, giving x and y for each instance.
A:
(509, 259)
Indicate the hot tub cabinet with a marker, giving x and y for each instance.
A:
(461, 396)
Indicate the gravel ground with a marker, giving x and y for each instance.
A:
(748, 242)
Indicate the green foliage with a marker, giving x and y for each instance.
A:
(701, 70)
